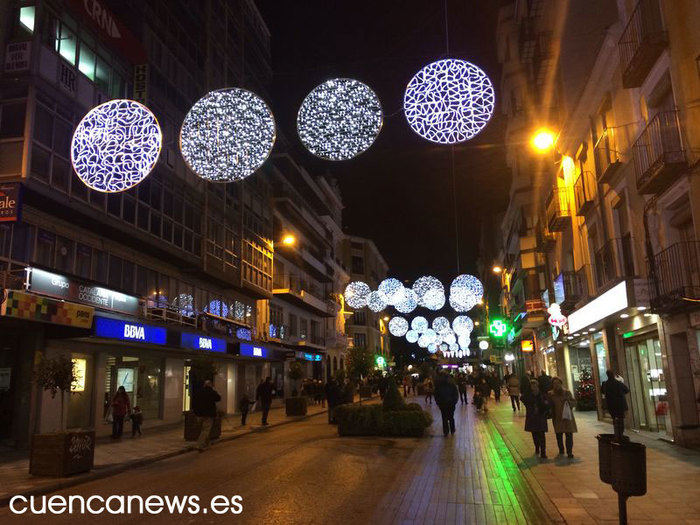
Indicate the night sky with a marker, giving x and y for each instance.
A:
(399, 192)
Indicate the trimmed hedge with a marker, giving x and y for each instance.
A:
(375, 420)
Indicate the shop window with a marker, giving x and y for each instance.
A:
(27, 16)
(64, 254)
(102, 75)
(86, 62)
(66, 42)
(12, 120)
(83, 261)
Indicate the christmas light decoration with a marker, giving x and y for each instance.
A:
(419, 324)
(408, 301)
(484, 344)
(450, 339)
(444, 347)
(463, 341)
(432, 348)
(356, 294)
(441, 324)
(556, 318)
(423, 341)
(453, 347)
(116, 145)
(217, 307)
(227, 135)
(339, 119)
(460, 353)
(392, 289)
(465, 292)
(430, 335)
(449, 101)
(412, 336)
(462, 325)
(430, 292)
(376, 301)
(398, 326)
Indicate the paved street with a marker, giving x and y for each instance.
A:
(304, 473)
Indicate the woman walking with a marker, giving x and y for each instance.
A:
(536, 411)
(514, 391)
(563, 416)
(121, 406)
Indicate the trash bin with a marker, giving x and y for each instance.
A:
(629, 468)
(605, 457)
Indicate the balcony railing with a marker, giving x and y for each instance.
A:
(658, 153)
(582, 277)
(558, 209)
(572, 287)
(584, 191)
(543, 237)
(674, 277)
(641, 43)
(543, 56)
(614, 261)
(607, 155)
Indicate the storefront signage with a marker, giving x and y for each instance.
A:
(141, 84)
(202, 342)
(79, 371)
(498, 328)
(17, 56)
(526, 345)
(129, 331)
(31, 307)
(599, 308)
(556, 318)
(559, 294)
(251, 350)
(55, 285)
(534, 305)
(309, 357)
(10, 201)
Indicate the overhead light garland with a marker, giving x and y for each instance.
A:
(412, 336)
(339, 119)
(462, 325)
(392, 290)
(465, 292)
(356, 294)
(227, 135)
(408, 301)
(116, 145)
(376, 301)
(398, 326)
(430, 292)
(419, 324)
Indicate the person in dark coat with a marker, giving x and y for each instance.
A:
(537, 409)
(121, 406)
(446, 396)
(204, 407)
(615, 392)
(495, 384)
(136, 421)
(483, 390)
(263, 394)
(545, 382)
(333, 395)
(462, 387)
(244, 406)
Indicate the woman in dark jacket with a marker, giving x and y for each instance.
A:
(121, 406)
(446, 396)
(537, 408)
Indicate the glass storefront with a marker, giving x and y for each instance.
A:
(580, 360)
(647, 384)
(140, 377)
(601, 358)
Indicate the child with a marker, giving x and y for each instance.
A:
(136, 420)
(244, 406)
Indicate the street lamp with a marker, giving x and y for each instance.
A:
(543, 140)
(289, 240)
(497, 269)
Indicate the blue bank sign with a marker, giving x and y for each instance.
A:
(202, 342)
(251, 350)
(129, 331)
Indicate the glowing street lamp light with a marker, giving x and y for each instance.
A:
(289, 240)
(543, 140)
(497, 269)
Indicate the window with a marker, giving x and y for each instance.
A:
(358, 264)
(12, 120)
(26, 17)
(359, 318)
(64, 254)
(102, 75)
(100, 266)
(83, 261)
(65, 43)
(115, 272)
(44, 248)
(360, 340)
(293, 325)
(22, 242)
(86, 63)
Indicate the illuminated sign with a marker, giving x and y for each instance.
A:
(509, 357)
(526, 345)
(128, 331)
(381, 362)
(10, 201)
(599, 308)
(202, 342)
(498, 328)
(251, 350)
(310, 357)
(79, 371)
(556, 318)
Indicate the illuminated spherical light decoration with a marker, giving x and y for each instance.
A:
(184, 303)
(462, 324)
(217, 307)
(227, 135)
(467, 352)
(419, 324)
(392, 289)
(423, 341)
(441, 324)
(432, 348)
(453, 347)
(408, 301)
(356, 294)
(430, 292)
(449, 101)
(460, 353)
(339, 119)
(465, 292)
(412, 336)
(398, 326)
(464, 341)
(484, 344)
(450, 339)
(116, 145)
(376, 301)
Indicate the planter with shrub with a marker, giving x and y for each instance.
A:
(296, 406)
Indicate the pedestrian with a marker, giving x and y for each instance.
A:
(405, 387)
(484, 393)
(614, 391)
(204, 407)
(536, 412)
(563, 421)
(244, 405)
(514, 391)
(462, 387)
(428, 389)
(545, 382)
(333, 395)
(121, 406)
(136, 421)
(414, 384)
(446, 397)
(495, 384)
(263, 395)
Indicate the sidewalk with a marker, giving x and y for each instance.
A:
(112, 457)
(574, 488)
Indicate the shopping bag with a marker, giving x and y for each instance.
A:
(566, 412)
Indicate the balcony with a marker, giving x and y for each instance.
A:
(614, 261)
(658, 153)
(558, 210)
(584, 191)
(607, 155)
(526, 38)
(674, 277)
(544, 239)
(304, 294)
(543, 59)
(569, 289)
(641, 43)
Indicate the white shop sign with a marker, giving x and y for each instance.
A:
(599, 308)
(17, 56)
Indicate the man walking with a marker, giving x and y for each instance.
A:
(462, 387)
(615, 391)
(263, 395)
(446, 397)
(204, 407)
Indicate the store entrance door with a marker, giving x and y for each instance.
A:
(647, 384)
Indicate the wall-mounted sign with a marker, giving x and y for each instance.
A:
(609, 303)
(55, 285)
(559, 293)
(556, 318)
(129, 331)
(79, 371)
(498, 328)
(526, 345)
(31, 307)
(17, 56)
(309, 356)
(10, 201)
(202, 342)
(141, 84)
(534, 305)
(252, 350)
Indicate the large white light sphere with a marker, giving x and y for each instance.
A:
(423, 341)
(116, 145)
(392, 290)
(430, 335)
(432, 348)
(408, 301)
(484, 344)
(450, 339)
(465, 292)
(449, 101)
(464, 341)
(356, 294)
(462, 324)
(412, 336)
(339, 119)
(430, 292)
(454, 347)
(444, 347)
(398, 326)
(376, 301)
(227, 135)
(419, 324)
(441, 324)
